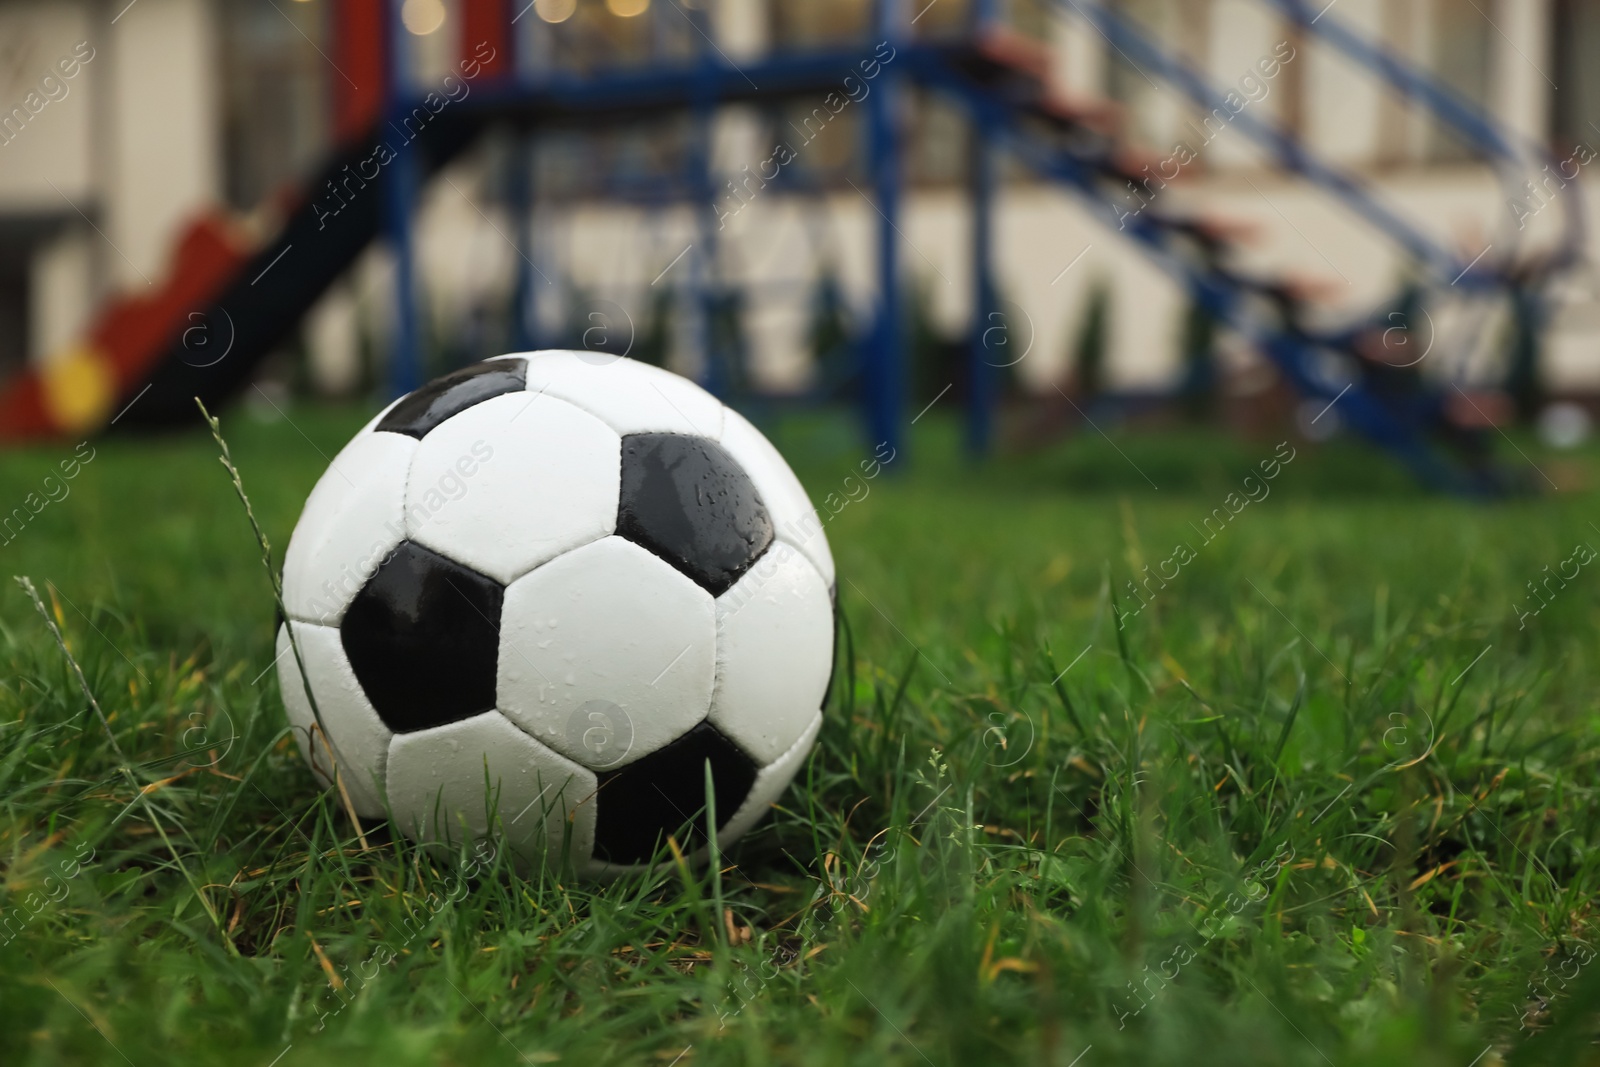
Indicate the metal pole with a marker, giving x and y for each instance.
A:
(703, 280)
(399, 201)
(521, 63)
(992, 338)
(525, 306)
(883, 364)
(990, 345)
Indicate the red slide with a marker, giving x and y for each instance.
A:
(220, 307)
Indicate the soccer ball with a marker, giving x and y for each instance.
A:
(542, 599)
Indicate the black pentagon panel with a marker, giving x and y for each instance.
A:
(423, 636)
(453, 393)
(688, 501)
(665, 793)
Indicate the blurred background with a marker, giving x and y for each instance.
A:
(1365, 217)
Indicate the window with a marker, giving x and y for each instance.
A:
(276, 96)
(1575, 41)
(1459, 57)
(809, 23)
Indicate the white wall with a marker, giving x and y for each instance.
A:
(1243, 34)
(56, 143)
(1078, 55)
(740, 28)
(62, 292)
(1343, 100)
(1520, 69)
(130, 146)
(162, 132)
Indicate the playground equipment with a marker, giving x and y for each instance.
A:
(226, 304)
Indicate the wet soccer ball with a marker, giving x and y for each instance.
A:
(563, 601)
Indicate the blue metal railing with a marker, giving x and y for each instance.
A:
(1227, 297)
(1125, 36)
(708, 79)
(1500, 149)
(1462, 114)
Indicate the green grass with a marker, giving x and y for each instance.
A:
(1321, 801)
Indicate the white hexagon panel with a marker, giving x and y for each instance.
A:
(628, 396)
(533, 464)
(608, 629)
(458, 782)
(355, 741)
(353, 518)
(772, 627)
(557, 590)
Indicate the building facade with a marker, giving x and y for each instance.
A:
(119, 122)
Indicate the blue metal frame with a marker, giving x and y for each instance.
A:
(706, 81)
(703, 260)
(1234, 300)
(1437, 97)
(883, 362)
(1462, 114)
(399, 207)
(525, 317)
(1291, 154)
(986, 313)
